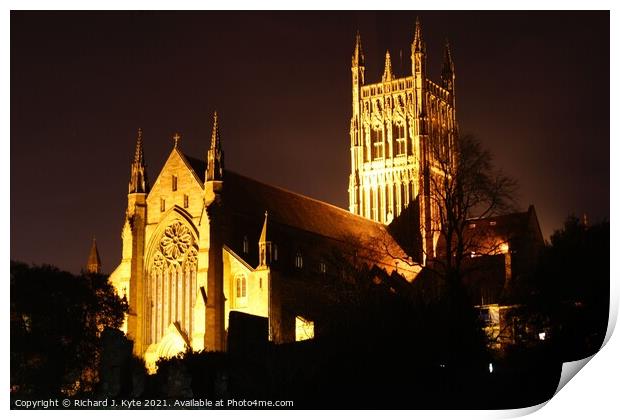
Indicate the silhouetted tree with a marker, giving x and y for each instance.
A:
(571, 287)
(56, 322)
(466, 185)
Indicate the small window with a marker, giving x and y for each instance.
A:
(493, 223)
(275, 252)
(299, 260)
(185, 201)
(323, 267)
(174, 182)
(241, 291)
(241, 287)
(304, 329)
(472, 225)
(246, 245)
(162, 205)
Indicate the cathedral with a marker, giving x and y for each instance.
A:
(202, 241)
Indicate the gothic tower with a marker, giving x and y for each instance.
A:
(400, 126)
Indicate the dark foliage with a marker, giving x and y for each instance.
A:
(385, 348)
(56, 322)
(571, 288)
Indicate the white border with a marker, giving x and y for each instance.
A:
(592, 394)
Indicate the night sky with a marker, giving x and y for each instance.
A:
(532, 86)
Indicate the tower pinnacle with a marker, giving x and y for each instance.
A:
(358, 52)
(215, 155)
(138, 182)
(264, 245)
(387, 72)
(94, 262)
(263, 233)
(418, 42)
(447, 70)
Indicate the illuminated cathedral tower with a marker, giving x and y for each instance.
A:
(399, 127)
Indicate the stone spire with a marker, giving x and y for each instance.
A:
(418, 56)
(264, 245)
(447, 70)
(215, 155)
(358, 52)
(94, 262)
(387, 72)
(418, 42)
(263, 233)
(138, 183)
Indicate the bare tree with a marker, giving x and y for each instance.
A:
(465, 185)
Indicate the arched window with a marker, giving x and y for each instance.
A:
(241, 291)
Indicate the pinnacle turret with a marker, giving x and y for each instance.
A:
(138, 182)
(215, 155)
(387, 72)
(263, 233)
(418, 42)
(358, 52)
(264, 245)
(139, 155)
(447, 70)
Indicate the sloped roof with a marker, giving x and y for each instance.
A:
(295, 210)
(199, 166)
(251, 198)
(511, 225)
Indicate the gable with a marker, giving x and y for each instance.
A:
(176, 185)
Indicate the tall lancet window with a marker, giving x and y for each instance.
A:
(376, 138)
(241, 291)
(398, 134)
(171, 282)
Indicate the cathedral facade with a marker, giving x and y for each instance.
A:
(202, 241)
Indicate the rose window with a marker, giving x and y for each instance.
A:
(176, 240)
